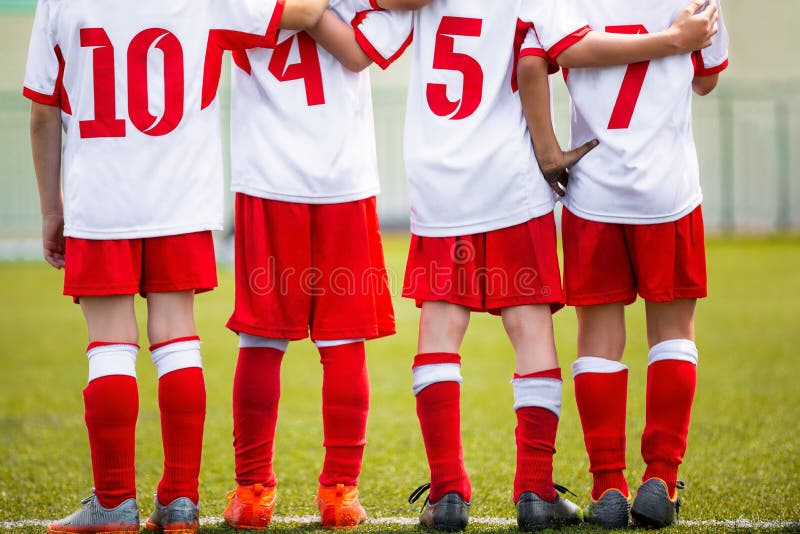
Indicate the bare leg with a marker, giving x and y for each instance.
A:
(442, 327)
(601, 331)
(170, 316)
(110, 319)
(670, 320)
(530, 329)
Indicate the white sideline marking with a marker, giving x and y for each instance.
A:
(409, 521)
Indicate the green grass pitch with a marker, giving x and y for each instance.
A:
(743, 459)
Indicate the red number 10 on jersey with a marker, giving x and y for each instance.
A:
(106, 123)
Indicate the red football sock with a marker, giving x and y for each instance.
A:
(345, 406)
(111, 408)
(602, 399)
(439, 413)
(670, 393)
(182, 401)
(256, 393)
(536, 439)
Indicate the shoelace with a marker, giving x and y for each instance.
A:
(563, 490)
(680, 485)
(419, 492)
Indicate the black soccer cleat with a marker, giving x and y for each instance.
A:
(449, 514)
(611, 510)
(534, 513)
(653, 507)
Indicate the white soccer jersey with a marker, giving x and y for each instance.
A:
(645, 170)
(137, 87)
(469, 158)
(302, 128)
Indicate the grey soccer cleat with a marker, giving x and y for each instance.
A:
(653, 508)
(534, 513)
(181, 516)
(93, 517)
(450, 513)
(611, 510)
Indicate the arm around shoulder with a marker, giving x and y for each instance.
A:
(302, 14)
(338, 38)
(403, 5)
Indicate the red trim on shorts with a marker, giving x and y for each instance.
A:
(95, 344)
(171, 341)
(571, 39)
(435, 358)
(554, 373)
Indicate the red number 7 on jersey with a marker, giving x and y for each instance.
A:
(631, 84)
(446, 58)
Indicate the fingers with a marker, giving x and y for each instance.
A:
(712, 14)
(574, 156)
(557, 189)
(54, 258)
(696, 6)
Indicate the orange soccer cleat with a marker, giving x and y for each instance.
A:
(339, 507)
(250, 507)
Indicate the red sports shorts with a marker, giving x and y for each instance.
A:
(97, 268)
(489, 271)
(316, 267)
(605, 263)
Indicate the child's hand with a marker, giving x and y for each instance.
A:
(53, 240)
(695, 26)
(555, 167)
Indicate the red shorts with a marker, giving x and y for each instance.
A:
(310, 266)
(606, 263)
(490, 271)
(97, 268)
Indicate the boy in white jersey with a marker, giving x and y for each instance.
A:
(309, 257)
(142, 170)
(482, 219)
(633, 225)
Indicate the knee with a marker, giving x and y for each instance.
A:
(450, 321)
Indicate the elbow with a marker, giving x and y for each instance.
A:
(358, 64)
(531, 68)
(704, 85)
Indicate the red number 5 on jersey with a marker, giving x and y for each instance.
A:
(631, 84)
(105, 122)
(446, 58)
